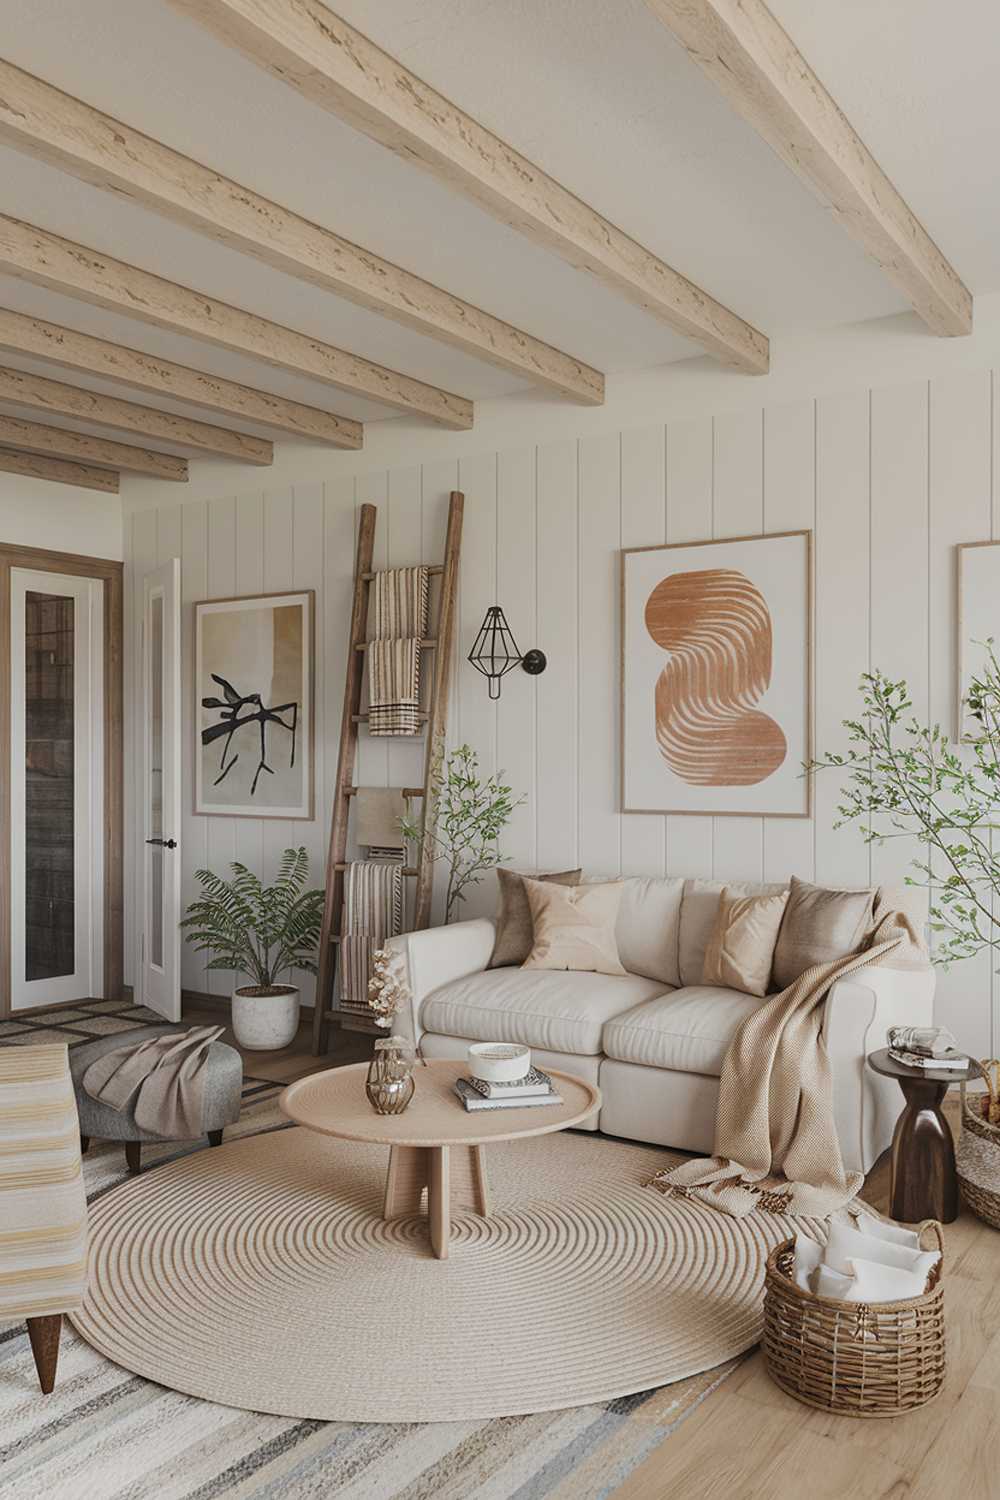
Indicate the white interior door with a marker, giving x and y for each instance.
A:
(160, 938)
(57, 788)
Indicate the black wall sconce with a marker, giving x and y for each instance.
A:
(495, 651)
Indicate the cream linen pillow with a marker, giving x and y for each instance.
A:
(574, 927)
(741, 944)
(515, 932)
(819, 926)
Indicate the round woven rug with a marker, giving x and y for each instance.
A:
(261, 1275)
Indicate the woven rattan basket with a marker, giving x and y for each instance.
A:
(853, 1358)
(978, 1155)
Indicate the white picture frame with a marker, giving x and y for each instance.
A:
(254, 664)
(978, 570)
(716, 677)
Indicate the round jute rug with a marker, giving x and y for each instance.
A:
(262, 1276)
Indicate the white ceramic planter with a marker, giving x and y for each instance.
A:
(264, 1023)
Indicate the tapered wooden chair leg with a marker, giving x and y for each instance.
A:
(44, 1335)
(133, 1156)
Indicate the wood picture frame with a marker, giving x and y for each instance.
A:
(247, 648)
(715, 716)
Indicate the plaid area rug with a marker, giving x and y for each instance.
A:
(74, 1024)
(105, 1434)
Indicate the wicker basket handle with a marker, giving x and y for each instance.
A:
(986, 1067)
(938, 1231)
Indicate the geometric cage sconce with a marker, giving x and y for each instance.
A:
(495, 652)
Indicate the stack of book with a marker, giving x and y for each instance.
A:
(534, 1089)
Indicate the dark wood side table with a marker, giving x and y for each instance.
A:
(924, 1181)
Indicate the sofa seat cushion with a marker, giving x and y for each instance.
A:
(555, 1009)
(688, 1030)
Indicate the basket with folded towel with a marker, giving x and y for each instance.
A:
(855, 1325)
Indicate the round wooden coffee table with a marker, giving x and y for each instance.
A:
(435, 1143)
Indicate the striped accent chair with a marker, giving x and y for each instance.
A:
(43, 1208)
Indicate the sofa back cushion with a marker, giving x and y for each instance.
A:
(699, 908)
(649, 926)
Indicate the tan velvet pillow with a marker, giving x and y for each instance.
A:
(574, 927)
(741, 945)
(819, 926)
(515, 929)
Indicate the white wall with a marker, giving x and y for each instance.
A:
(889, 475)
(60, 517)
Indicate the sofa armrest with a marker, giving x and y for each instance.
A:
(859, 1011)
(436, 956)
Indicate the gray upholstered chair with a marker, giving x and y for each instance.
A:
(223, 1093)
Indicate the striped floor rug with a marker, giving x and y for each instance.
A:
(105, 1434)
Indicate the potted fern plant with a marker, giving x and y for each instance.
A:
(262, 932)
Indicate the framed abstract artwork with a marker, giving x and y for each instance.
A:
(716, 676)
(253, 674)
(978, 620)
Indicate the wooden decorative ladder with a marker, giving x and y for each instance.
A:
(434, 718)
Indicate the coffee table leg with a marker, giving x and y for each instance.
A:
(439, 1199)
(405, 1181)
(924, 1180)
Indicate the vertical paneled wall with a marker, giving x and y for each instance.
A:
(888, 480)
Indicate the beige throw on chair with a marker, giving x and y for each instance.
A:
(166, 1077)
(776, 1144)
(373, 912)
(399, 622)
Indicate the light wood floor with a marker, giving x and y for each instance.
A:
(749, 1441)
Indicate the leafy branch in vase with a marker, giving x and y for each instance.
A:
(464, 820)
(908, 779)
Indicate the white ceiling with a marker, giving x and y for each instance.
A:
(598, 94)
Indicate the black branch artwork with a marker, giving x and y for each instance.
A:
(233, 718)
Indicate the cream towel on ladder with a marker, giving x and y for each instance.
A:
(399, 623)
(776, 1145)
(373, 912)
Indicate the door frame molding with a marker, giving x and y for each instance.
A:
(111, 573)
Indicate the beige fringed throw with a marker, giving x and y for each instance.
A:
(165, 1075)
(399, 623)
(373, 912)
(776, 1143)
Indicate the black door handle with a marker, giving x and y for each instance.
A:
(164, 843)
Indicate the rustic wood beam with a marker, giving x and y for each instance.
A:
(21, 388)
(22, 334)
(756, 65)
(61, 130)
(64, 266)
(330, 63)
(57, 442)
(85, 476)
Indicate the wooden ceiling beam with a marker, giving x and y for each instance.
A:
(22, 334)
(752, 60)
(57, 442)
(22, 388)
(61, 130)
(59, 470)
(77, 271)
(332, 64)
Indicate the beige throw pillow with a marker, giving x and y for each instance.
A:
(515, 929)
(819, 926)
(574, 927)
(741, 946)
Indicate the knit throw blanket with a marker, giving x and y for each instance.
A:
(399, 622)
(373, 912)
(776, 1145)
(165, 1075)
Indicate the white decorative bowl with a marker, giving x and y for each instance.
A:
(499, 1062)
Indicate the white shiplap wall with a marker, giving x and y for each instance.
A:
(889, 480)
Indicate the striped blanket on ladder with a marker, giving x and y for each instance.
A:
(399, 622)
(373, 912)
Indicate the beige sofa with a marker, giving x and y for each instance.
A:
(653, 1040)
